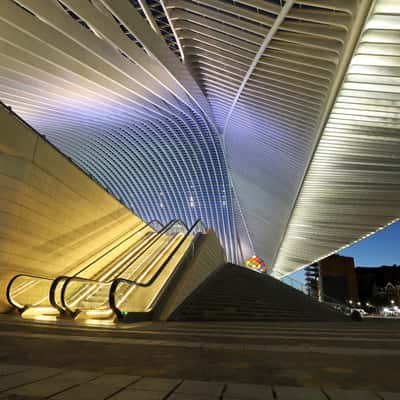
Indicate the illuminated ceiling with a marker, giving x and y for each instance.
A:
(276, 122)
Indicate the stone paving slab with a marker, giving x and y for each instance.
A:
(201, 388)
(155, 384)
(8, 369)
(12, 396)
(340, 394)
(389, 395)
(181, 396)
(54, 384)
(244, 391)
(57, 384)
(129, 394)
(30, 375)
(299, 393)
(99, 388)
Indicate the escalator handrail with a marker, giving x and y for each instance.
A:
(191, 248)
(117, 245)
(165, 228)
(117, 281)
(38, 277)
(14, 278)
(89, 280)
(95, 281)
(60, 278)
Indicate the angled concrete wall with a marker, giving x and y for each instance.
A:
(53, 217)
(208, 256)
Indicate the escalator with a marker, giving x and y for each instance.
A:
(32, 295)
(128, 284)
(135, 300)
(102, 300)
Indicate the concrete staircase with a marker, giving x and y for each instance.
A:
(234, 293)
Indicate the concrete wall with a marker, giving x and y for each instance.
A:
(53, 217)
(208, 257)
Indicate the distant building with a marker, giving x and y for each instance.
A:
(338, 279)
(335, 277)
(390, 293)
(312, 279)
(379, 285)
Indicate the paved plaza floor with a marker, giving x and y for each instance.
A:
(19, 382)
(200, 361)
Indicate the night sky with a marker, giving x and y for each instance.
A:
(382, 248)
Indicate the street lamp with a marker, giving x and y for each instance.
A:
(391, 301)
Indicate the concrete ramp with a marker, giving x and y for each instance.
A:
(235, 293)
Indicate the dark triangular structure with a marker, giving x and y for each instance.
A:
(235, 293)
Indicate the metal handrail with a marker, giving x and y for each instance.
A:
(61, 278)
(300, 286)
(330, 301)
(58, 279)
(117, 281)
(95, 281)
(8, 290)
(119, 244)
(177, 268)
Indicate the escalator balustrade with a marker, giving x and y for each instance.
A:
(130, 283)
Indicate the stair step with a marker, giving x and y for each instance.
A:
(234, 293)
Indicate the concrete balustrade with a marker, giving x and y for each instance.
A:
(208, 255)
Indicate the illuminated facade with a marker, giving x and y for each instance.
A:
(276, 123)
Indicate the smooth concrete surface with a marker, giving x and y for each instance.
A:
(208, 255)
(324, 358)
(53, 217)
(132, 298)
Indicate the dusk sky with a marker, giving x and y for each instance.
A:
(382, 248)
